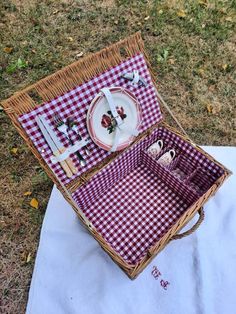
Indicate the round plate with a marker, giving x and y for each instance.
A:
(100, 122)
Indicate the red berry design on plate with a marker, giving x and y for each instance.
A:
(108, 120)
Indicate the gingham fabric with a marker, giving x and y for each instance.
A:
(201, 180)
(134, 201)
(173, 183)
(190, 153)
(130, 159)
(135, 213)
(76, 102)
(182, 163)
(104, 179)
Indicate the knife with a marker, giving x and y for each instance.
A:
(55, 145)
(58, 144)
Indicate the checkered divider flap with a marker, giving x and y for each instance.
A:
(76, 103)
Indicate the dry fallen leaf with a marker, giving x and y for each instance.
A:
(214, 108)
(147, 18)
(34, 203)
(80, 54)
(8, 49)
(14, 150)
(223, 10)
(229, 19)
(212, 88)
(201, 72)
(28, 259)
(181, 13)
(27, 193)
(224, 66)
(202, 2)
(209, 108)
(171, 61)
(70, 38)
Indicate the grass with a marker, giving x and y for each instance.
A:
(192, 49)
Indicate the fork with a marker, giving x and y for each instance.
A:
(62, 127)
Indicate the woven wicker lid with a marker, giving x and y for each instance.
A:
(71, 90)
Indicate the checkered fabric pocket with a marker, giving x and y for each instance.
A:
(76, 102)
(201, 180)
(182, 167)
(134, 201)
(166, 176)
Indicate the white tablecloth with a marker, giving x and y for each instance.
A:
(73, 274)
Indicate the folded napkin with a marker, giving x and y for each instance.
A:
(196, 274)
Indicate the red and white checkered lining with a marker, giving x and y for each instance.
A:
(76, 102)
(134, 201)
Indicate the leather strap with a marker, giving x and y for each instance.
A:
(68, 151)
(112, 106)
(120, 127)
(136, 77)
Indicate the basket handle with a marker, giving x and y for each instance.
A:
(194, 227)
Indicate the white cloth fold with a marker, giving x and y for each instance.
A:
(73, 274)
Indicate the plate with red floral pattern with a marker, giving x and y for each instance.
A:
(101, 124)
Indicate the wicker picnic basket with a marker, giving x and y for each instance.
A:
(132, 205)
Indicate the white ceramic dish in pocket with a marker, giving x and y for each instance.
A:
(101, 124)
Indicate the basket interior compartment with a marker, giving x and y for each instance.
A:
(134, 212)
(182, 168)
(200, 181)
(134, 201)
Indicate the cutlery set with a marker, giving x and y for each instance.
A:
(73, 126)
(125, 127)
(61, 153)
(64, 129)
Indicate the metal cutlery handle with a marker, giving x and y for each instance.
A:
(81, 159)
(76, 131)
(87, 151)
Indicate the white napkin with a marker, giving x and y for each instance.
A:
(73, 274)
